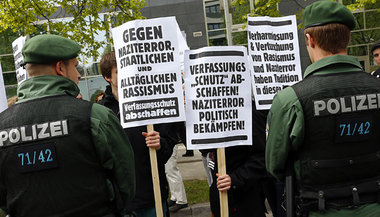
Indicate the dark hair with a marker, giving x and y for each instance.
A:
(107, 62)
(333, 37)
(375, 46)
(101, 93)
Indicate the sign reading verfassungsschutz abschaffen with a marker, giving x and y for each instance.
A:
(149, 74)
(218, 97)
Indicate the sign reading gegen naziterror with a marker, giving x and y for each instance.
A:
(274, 56)
(218, 97)
(149, 74)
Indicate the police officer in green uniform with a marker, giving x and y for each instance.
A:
(326, 128)
(61, 156)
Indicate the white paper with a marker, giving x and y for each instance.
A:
(17, 45)
(149, 74)
(218, 97)
(3, 97)
(273, 56)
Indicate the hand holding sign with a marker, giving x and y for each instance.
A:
(223, 182)
(152, 139)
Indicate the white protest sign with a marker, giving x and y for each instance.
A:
(149, 74)
(17, 45)
(182, 47)
(3, 97)
(218, 97)
(273, 56)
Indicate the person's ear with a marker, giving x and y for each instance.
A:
(310, 41)
(60, 68)
(109, 79)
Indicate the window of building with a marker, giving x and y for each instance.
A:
(213, 9)
(213, 26)
(7, 62)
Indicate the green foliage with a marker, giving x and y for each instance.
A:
(83, 18)
(261, 8)
(359, 4)
(240, 11)
(266, 8)
(239, 38)
(11, 92)
(239, 15)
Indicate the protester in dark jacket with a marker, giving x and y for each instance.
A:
(245, 166)
(143, 203)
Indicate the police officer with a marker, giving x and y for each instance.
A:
(326, 127)
(375, 50)
(59, 155)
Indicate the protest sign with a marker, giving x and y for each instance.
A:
(17, 45)
(273, 56)
(218, 97)
(3, 97)
(149, 79)
(149, 74)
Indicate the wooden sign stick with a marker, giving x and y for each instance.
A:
(155, 177)
(223, 197)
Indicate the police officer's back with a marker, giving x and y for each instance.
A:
(58, 154)
(326, 127)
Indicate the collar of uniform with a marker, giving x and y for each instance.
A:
(335, 63)
(46, 85)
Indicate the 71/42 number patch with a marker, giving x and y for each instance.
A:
(36, 157)
(353, 129)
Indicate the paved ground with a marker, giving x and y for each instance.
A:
(192, 168)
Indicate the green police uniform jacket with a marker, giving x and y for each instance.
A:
(286, 136)
(58, 154)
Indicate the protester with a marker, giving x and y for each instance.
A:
(99, 96)
(178, 199)
(60, 156)
(375, 50)
(245, 166)
(143, 204)
(206, 160)
(323, 130)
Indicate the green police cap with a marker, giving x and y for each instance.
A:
(324, 12)
(49, 48)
